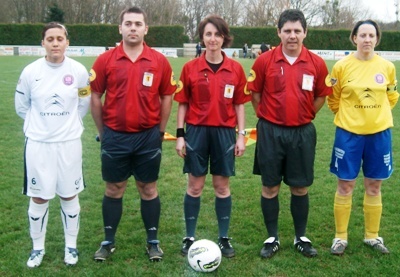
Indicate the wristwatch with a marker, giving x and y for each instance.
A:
(242, 132)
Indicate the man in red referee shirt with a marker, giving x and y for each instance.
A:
(288, 89)
(138, 84)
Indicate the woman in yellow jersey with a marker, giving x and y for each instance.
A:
(364, 92)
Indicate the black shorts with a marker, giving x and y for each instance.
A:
(214, 144)
(127, 154)
(285, 153)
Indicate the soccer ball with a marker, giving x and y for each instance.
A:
(204, 255)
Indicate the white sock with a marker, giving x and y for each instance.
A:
(70, 217)
(38, 215)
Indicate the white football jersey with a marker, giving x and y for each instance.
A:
(53, 99)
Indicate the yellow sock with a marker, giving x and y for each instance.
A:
(342, 210)
(372, 215)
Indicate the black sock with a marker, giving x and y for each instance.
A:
(270, 210)
(299, 208)
(191, 207)
(223, 208)
(151, 210)
(112, 212)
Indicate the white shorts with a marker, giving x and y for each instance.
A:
(53, 168)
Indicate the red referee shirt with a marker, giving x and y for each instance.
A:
(211, 96)
(133, 89)
(288, 91)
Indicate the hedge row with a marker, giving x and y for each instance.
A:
(90, 35)
(173, 36)
(316, 38)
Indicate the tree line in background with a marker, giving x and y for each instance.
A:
(328, 14)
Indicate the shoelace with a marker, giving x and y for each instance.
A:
(34, 254)
(225, 243)
(339, 244)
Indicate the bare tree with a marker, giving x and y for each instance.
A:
(337, 14)
(70, 10)
(90, 11)
(264, 12)
(193, 12)
(160, 12)
(8, 11)
(107, 11)
(189, 13)
(331, 13)
(231, 10)
(310, 8)
(29, 11)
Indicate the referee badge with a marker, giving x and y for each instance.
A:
(229, 89)
(308, 81)
(148, 79)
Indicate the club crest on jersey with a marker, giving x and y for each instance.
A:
(379, 78)
(68, 80)
(330, 81)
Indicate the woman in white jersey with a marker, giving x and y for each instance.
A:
(52, 96)
(364, 92)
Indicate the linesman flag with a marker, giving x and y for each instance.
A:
(251, 136)
(168, 136)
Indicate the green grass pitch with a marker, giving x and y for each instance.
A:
(247, 227)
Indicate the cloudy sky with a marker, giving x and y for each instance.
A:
(384, 10)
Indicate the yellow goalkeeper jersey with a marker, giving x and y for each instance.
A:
(364, 92)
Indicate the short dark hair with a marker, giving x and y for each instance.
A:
(354, 32)
(292, 15)
(221, 26)
(132, 10)
(52, 25)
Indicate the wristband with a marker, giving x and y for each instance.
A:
(180, 133)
